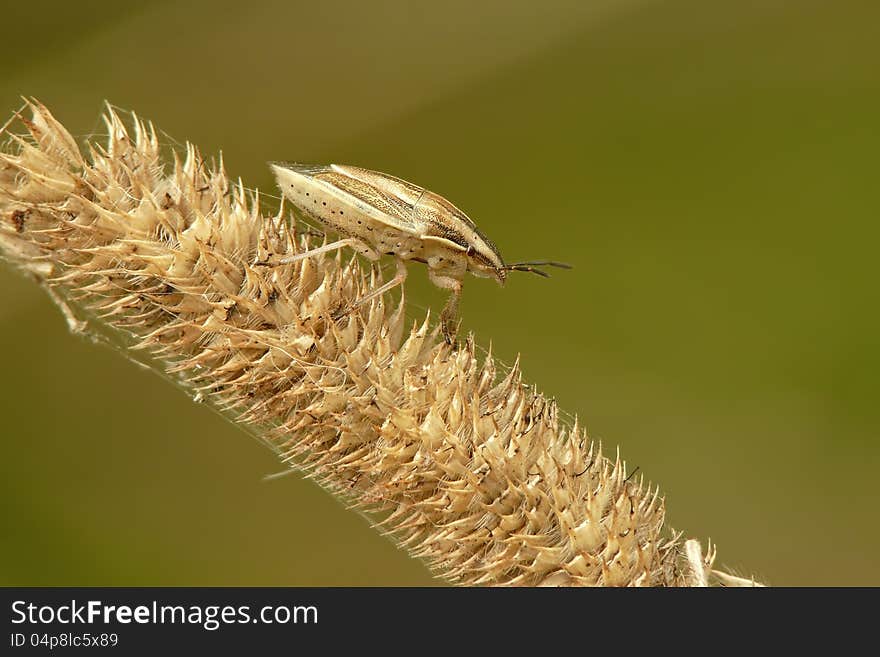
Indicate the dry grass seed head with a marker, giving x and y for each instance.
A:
(475, 475)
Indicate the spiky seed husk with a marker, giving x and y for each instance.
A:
(468, 469)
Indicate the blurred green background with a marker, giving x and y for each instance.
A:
(709, 168)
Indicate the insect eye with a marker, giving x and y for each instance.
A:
(471, 250)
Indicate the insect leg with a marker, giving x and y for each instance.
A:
(399, 277)
(358, 246)
(449, 316)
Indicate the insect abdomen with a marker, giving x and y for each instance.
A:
(345, 213)
(320, 201)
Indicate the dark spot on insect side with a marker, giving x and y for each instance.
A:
(17, 218)
(341, 212)
(273, 296)
(369, 228)
(307, 193)
(323, 202)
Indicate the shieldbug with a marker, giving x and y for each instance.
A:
(377, 214)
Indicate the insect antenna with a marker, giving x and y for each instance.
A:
(532, 265)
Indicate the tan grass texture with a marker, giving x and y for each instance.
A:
(462, 465)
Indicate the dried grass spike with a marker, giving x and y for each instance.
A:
(474, 474)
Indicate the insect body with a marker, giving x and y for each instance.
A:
(377, 214)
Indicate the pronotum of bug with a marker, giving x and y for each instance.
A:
(377, 214)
